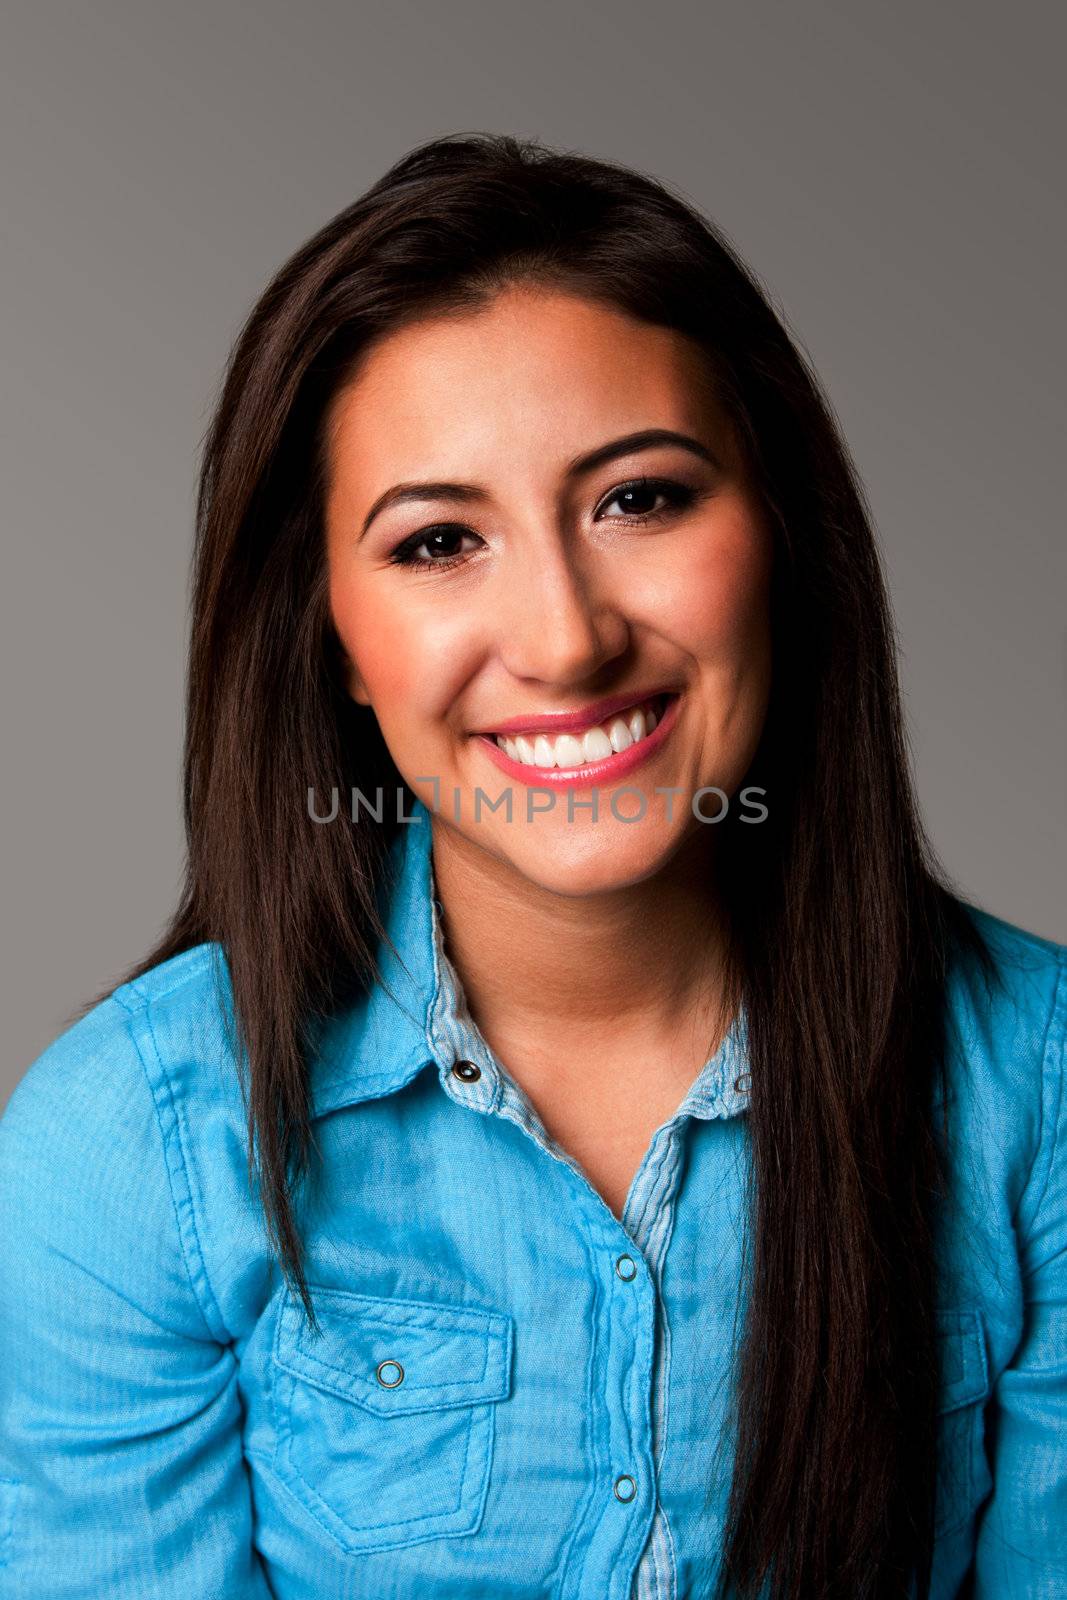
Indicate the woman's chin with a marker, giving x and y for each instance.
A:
(582, 857)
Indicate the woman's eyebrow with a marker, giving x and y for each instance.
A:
(647, 439)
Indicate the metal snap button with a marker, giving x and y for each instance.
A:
(466, 1071)
(625, 1488)
(390, 1374)
(626, 1267)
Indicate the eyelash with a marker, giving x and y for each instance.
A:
(677, 494)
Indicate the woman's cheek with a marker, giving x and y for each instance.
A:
(717, 603)
(380, 641)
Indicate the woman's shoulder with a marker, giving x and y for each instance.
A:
(115, 1083)
(176, 1014)
(1016, 945)
(1019, 995)
(1007, 1030)
(124, 1141)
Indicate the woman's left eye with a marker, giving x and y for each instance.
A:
(639, 498)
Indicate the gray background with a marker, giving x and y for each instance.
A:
(891, 172)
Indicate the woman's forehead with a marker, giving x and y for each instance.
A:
(551, 372)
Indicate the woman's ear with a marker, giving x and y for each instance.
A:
(344, 669)
(354, 684)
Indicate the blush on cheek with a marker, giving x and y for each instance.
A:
(390, 674)
(385, 662)
(724, 604)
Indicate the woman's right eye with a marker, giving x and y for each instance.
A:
(437, 540)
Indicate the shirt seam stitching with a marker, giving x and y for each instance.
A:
(144, 997)
(1053, 1034)
(668, 1586)
(569, 1565)
(214, 1325)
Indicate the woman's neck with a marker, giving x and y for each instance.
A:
(643, 961)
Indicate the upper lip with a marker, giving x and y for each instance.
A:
(585, 717)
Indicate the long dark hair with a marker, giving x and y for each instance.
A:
(844, 924)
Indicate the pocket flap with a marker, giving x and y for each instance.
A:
(431, 1355)
(964, 1369)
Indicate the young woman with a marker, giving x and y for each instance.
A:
(571, 1140)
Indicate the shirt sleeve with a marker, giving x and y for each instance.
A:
(1022, 1541)
(121, 1463)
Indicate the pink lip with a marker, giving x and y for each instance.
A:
(590, 772)
(566, 721)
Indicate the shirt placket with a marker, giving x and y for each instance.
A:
(651, 1207)
(649, 1219)
(624, 1548)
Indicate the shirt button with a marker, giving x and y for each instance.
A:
(466, 1071)
(390, 1374)
(626, 1267)
(625, 1488)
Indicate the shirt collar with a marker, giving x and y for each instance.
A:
(379, 1043)
(418, 1015)
(720, 1089)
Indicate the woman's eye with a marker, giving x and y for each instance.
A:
(639, 499)
(440, 542)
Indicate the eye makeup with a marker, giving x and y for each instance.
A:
(679, 497)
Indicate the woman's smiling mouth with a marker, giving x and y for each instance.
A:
(598, 752)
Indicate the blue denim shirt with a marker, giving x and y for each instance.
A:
(514, 1392)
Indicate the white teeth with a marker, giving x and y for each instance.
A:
(573, 750)
(569, 752)
(619, 734)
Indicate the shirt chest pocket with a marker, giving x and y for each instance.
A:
(385, 1419)
(964, 1479)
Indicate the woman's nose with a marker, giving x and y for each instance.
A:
(560, 622)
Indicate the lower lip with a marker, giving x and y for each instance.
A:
(618, 765)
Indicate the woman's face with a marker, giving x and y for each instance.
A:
(508, 540)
